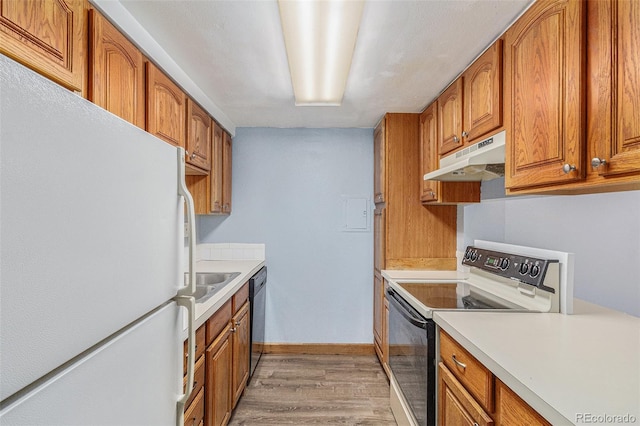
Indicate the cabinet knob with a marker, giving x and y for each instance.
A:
(192, 156)
(233, 329)
(465, 134)
(455, 139)
(568, 168)
(597, 162)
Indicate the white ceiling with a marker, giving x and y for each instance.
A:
(405, 55)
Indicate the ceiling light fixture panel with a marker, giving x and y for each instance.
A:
(320, 37)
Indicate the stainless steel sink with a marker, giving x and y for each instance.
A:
(209, 283)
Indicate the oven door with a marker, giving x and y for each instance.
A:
(412, 357)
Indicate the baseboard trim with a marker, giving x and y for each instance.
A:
(319, 348)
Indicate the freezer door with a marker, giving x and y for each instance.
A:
(92, 233)
(133, 378)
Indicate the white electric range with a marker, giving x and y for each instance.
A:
(493, 277)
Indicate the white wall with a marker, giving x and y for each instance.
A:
(603, 230)
(287, 193)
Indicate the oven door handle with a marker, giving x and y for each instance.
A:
(406, 310)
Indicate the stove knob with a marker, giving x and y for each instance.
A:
(535, 271)
(504, 263)
(524, 268)
(474, 256)
(467, 255)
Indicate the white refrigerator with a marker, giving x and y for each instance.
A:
(93, 306)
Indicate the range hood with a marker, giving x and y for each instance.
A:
(481, 161)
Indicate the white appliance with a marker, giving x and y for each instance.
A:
(500, 277)
(92, 239)
(484, 160)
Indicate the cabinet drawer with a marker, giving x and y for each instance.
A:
(474, 376)
(198, 380)
(456, 405)
(218, 321)
(201, 344)
(240, 297)
(194, 414)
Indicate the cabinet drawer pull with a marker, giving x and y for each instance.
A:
(458, 363)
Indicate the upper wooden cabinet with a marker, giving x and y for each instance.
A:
(379, 166)
(166, 107)
(613, 92)
(472, 106)
(435, 192)
(116, 71)
(212, 193)
(48, 36)
(544, 96)
(409, 235)
(226, 172)
(450, 118)
(198, 145)
(216, 170)
(483, 94)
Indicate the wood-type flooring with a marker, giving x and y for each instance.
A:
(316, 390)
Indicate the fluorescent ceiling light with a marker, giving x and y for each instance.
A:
(320, 36)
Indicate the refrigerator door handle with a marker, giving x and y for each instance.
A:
(190, 303)
(190, 288)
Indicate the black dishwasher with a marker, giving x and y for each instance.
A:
(257, 299)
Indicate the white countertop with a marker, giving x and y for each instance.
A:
(418, 276)
(563, 366)
(247, 269)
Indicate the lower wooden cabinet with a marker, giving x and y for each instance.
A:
(219, 379)
(512, 410)
(241, 351)
(222, 370)
(194, 414)
(457, 406)
(469, 394)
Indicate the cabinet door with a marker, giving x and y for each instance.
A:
(455, 405)
(450, 118)
(429, 152)
(379, 238)
(226, 173)
(378, 296)
(218, 385)
(483, 94)
(385, 331)
(116, 72)
(48, 36)
(241, 351)
(513, 411)
(622, 151)
(379, 162)
(198, 138)
(544, 99)
(166, 107)
(216, 174)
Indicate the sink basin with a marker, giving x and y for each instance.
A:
(209, 283)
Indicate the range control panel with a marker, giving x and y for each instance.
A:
(526, 269)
